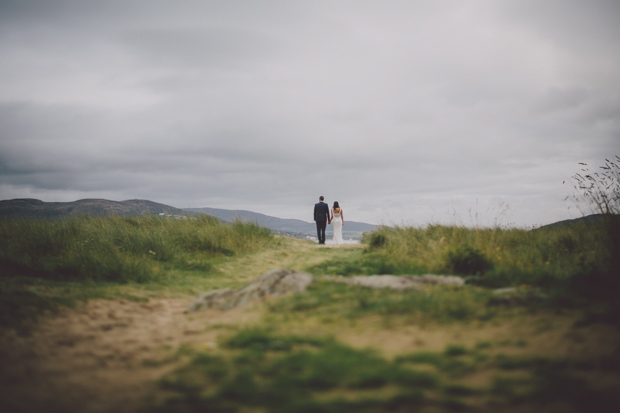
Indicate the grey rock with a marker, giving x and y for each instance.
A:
(274, 282)
(400, 282)
(508, 290)
(278, 282)
(514, 296)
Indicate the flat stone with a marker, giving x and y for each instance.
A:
(278, 282)
(274, 283)
(508, 290)
(397, 282)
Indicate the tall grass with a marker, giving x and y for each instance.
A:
(120, 249)
(497, 256)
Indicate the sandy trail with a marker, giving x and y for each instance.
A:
(100, 356)
(96, 358)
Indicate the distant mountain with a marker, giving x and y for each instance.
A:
(33, 208)
(587, 219)
(293, 227)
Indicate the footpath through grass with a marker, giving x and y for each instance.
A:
(300, 356)
(46, 263)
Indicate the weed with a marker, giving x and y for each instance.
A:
(600, 192)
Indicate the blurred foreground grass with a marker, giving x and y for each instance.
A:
(295, 358)
(260, 369)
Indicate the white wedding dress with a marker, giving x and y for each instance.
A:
(337, 223)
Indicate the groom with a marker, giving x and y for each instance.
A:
(321, 216)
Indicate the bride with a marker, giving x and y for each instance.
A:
(337, 220)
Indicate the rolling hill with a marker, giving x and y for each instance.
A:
(34, 208)
(292, 227)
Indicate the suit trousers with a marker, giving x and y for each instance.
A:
(320, 230)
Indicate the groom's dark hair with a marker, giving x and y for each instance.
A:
(321, 198)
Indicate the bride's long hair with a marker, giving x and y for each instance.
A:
(336, 205)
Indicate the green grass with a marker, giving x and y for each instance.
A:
(306, 374)
(120, 249)
(495, 257)
(441, 304)
(259, 369)
(569, 266)
(48, 263)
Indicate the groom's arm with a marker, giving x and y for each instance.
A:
(315, 212)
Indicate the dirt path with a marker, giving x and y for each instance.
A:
(99, 357)
(103, 355)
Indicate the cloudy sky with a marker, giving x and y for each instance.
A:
(404, 111)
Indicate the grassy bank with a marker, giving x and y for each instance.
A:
(46, 263)
(568, 266)
(120, 249)
(494, 257)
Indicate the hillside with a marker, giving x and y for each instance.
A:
(588, 219)
(34, 208)
(293, 227)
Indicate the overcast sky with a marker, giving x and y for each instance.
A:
(403, 111)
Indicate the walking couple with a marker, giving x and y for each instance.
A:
(323, 216)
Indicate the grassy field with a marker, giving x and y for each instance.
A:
(550, 344)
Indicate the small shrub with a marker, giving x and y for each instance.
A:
(377, 240)
(466, 260)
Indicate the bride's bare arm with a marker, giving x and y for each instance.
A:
(331, 216)
(342, 216)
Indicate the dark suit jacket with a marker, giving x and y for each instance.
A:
(321, 212)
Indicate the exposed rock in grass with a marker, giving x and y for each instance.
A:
(400, 282)
(275, 282)
(515, 296)
(278, 282)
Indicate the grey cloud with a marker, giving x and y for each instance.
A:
(220, 48)
(556, 99)
(400, 110)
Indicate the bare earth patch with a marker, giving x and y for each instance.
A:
(98, 358)
(106, 355)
